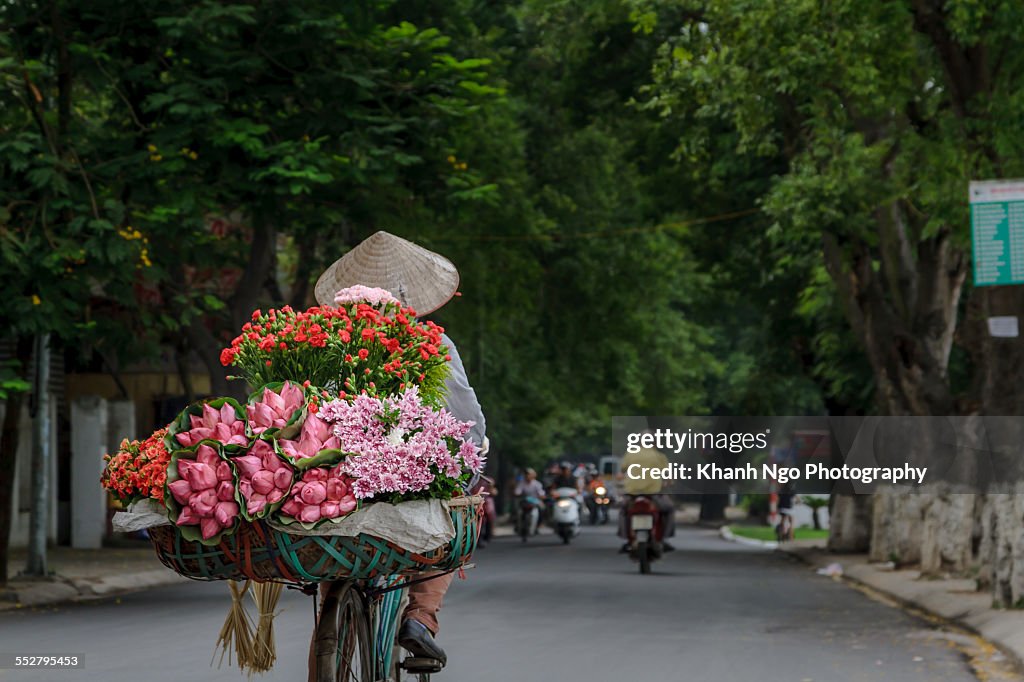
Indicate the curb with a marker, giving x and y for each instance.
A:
(726, 534)
(61, 590)
(1002, 628)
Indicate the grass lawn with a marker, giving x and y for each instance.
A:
(768, 533)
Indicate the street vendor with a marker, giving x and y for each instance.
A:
(424, 281)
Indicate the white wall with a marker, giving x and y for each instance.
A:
(22, 502)
(803, 515)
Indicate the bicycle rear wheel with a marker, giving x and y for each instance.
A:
(344, 649)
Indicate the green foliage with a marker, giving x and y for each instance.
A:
(10, 382)
(203, 159)
(875, 116)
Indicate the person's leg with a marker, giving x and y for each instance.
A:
(425, 600)
(420, 618)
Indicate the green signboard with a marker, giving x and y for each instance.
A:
(997, 231)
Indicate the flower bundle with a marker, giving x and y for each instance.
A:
(201, 483)
(400, 448)
(320, 494)
(220, 420)
(315, 436)
(369, 342)
(276, 409)
(264, 479)
(373, 429)
(138, 470)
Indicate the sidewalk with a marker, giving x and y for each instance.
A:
(81, 574)
(952, 599)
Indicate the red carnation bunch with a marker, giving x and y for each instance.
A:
(355, 348)
(138, 470)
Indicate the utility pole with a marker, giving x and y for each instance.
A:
(39, 517)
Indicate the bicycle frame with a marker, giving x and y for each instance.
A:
(382, 602)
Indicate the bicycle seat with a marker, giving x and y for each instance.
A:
(417, 665)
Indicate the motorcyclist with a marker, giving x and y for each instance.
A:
(563, 479)
(647, 459)
(531, 490)
(595, 483)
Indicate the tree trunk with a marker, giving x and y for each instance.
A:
(850, 523)
(712, 507)
(905, 314)
(9, 439)
(999, 517)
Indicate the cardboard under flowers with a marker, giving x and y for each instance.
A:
(271, 507)
(294, 424)
(183, 423)
(193, 532)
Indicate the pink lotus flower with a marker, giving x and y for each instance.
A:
(205, 492)
(262, 477)
(222, 425)
(320, 494)
(275, 410)
(316, 435)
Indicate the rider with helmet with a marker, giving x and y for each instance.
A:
(647, 459)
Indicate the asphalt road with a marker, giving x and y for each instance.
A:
(542, 611)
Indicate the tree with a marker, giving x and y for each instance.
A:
(153, 156)
(857, 100)
(64, 245)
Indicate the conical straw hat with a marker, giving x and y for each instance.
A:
(419, 278)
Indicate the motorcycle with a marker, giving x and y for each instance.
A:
(598, 501)
(565, 515)
(644, 525)
(529, 516)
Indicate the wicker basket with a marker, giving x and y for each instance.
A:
(263, 554)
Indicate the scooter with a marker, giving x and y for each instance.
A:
(643, 522)
(529, 516)
(598, 502)
(565, 515)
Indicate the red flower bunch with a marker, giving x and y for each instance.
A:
(376, 348)
(138, 470)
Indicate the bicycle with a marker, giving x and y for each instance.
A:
(356, 631)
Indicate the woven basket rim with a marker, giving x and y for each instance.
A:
(465, 501)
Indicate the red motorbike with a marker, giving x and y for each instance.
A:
(645, 531)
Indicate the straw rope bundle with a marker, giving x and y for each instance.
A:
(251, 646)
(236, 635)
(266, 596)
